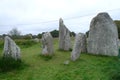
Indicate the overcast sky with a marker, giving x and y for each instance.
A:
(36, 16)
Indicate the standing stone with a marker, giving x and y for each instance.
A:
(64, 37)
(103, 36)
(47, 44)
(79, 46)
(11, 50)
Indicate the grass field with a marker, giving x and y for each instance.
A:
(88, 67)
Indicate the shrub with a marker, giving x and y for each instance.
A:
(25, 43)
(10, 64)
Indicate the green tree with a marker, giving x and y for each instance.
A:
(14, 33)
(87, 33)
(72, 34)
(39, 35)
(55, 33)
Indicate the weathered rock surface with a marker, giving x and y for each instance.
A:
(103, 36)
(11, 50)
(64, 37)
(47, 44)
(79, 46)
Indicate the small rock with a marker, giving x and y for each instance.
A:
(66, 62)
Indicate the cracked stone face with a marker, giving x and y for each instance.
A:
(11, 50)
(103, 36)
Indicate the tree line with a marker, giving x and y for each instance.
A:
(16, 34)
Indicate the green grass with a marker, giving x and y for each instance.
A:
(88, 67)
(9, 64)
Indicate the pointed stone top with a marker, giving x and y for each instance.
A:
(102, 15)
(46, 34)
(61, 20)
(7, 37)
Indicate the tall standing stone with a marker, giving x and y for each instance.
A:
(11, 50)
(47, 44)
(64, 37)
(79, 46)
(103, 36)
